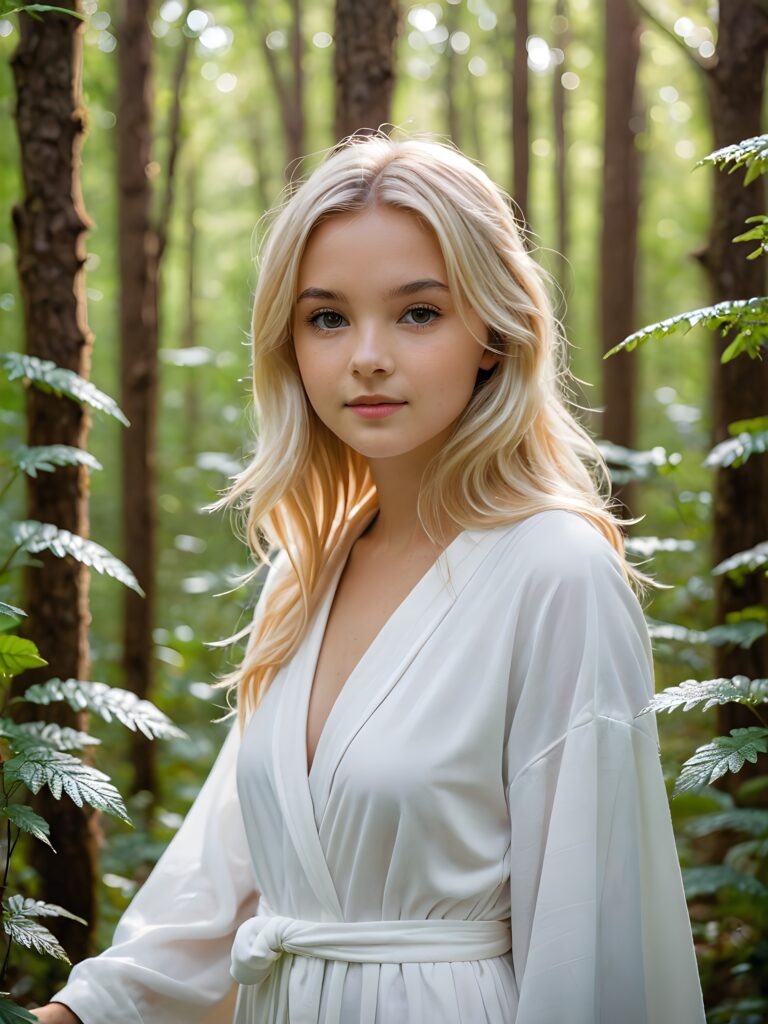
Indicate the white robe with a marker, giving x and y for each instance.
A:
(483, 763)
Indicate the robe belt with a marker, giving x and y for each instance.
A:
(261, 941)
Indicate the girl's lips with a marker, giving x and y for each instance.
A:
(375, 412)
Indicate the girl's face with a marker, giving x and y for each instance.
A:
(374, 318)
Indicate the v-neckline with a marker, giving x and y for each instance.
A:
(319, 624)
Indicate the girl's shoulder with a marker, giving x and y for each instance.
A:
(555, 543)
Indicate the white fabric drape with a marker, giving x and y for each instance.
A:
(483, 766)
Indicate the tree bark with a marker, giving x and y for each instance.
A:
(138, 260)
(289, 90)
(453, 75)
(365, 33)
(189, 319)
(520, 112)
(618, 245)
(740, 387)
(50, 225)
(562, 209)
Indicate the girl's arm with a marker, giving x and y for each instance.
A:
(599, 921)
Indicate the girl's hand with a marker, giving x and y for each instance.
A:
(56, 1013)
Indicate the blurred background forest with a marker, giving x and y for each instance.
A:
(135, 262)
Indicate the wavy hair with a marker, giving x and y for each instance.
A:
(516, 449)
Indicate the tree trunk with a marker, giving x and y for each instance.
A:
(453, 74)
(288, 93)
(562, 38)
(520, 112)
(189, 318)
(739, 388)
(365, 32)
(50, 227)
(618, 255)
(138, 245)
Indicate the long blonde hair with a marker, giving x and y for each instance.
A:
(516, 450)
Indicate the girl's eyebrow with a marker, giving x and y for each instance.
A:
(422, 285)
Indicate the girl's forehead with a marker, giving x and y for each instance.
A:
(361, 240)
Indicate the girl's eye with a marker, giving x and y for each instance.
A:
(424, 309)
(418, 310)
(321, 313)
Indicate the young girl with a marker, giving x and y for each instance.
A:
(437, 805)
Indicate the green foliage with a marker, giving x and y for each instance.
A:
(752, 820)
(109, 702)
(723, 754)
(758, 234)
(736, 450)
(45, 458)
(7, 8)
(738, 882)
(28, 821)
(10, 1013)
(706, 881)
(627, 464)
(19, 922)
(17, 655)
(34, 537)
(751, 153)
(27, 735)
(750, 315)
(37, 754)
(39, 766)
(46, 376)
(743, 562)
(692, 692)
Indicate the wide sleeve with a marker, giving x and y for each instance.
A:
(169, 962)
(600, 927)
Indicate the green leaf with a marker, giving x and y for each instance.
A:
(30, 933)
(724, 315)
(25, 818)
(735, 451)
(17, 654)
(692, 692)
(45, 458)
(646, 547)
(64, 773)
(752, 820)
(743, 562)
(24, 929)
(24, 736)
(723, 754)
(744, 633)
(39, 908)
(11, 611)
(10, 1013)
(757, 234)
(706, 881)
(32, 536)
(638, 465)
(47, 376)
(751, 153)
(110, 702)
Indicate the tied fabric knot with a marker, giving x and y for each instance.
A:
(259, 942)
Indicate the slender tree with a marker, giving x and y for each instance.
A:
(51, 225)
(365, 33)
(451, 71)
(618, 244)
(142, 242)
(562, 207)
(740, 387)
(520, 111)
(288, 84)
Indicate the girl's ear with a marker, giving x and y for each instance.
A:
(489, 360)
